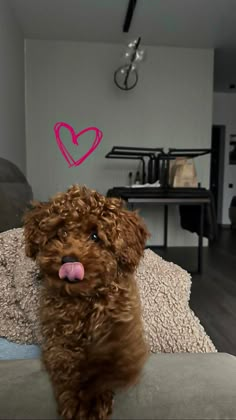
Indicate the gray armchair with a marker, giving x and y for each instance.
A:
(15, 194)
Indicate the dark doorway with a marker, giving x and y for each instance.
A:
(217, 168)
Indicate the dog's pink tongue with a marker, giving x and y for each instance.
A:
(72, 271)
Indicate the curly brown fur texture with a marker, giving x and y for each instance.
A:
(92, 330)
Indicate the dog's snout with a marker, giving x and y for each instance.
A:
(68, 259)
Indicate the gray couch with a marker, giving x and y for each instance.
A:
(173, 386)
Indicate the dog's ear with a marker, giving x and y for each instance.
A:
(131, 237)
(33, 235)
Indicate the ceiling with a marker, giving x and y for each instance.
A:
(182, 23)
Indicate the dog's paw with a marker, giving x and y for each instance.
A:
(102, 407)
(96, 408)
(67, 406)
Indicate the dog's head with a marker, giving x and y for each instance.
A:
(82, 240)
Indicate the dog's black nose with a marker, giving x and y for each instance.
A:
(68, 259)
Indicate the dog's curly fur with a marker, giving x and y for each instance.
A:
(93, 336)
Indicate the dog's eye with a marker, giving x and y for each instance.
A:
(63, 233)
(94, 237)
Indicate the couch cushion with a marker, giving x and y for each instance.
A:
(13, 351)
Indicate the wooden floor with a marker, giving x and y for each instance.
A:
(213, 296)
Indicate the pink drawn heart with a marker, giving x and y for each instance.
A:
(74, 136)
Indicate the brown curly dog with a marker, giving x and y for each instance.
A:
(88, 247)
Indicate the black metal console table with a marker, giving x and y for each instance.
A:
(165, 197)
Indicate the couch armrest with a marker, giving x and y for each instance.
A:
(173, 386)
(182, 386)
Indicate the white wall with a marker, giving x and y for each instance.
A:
(73, 82)
(12, 102)
(224, 113)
